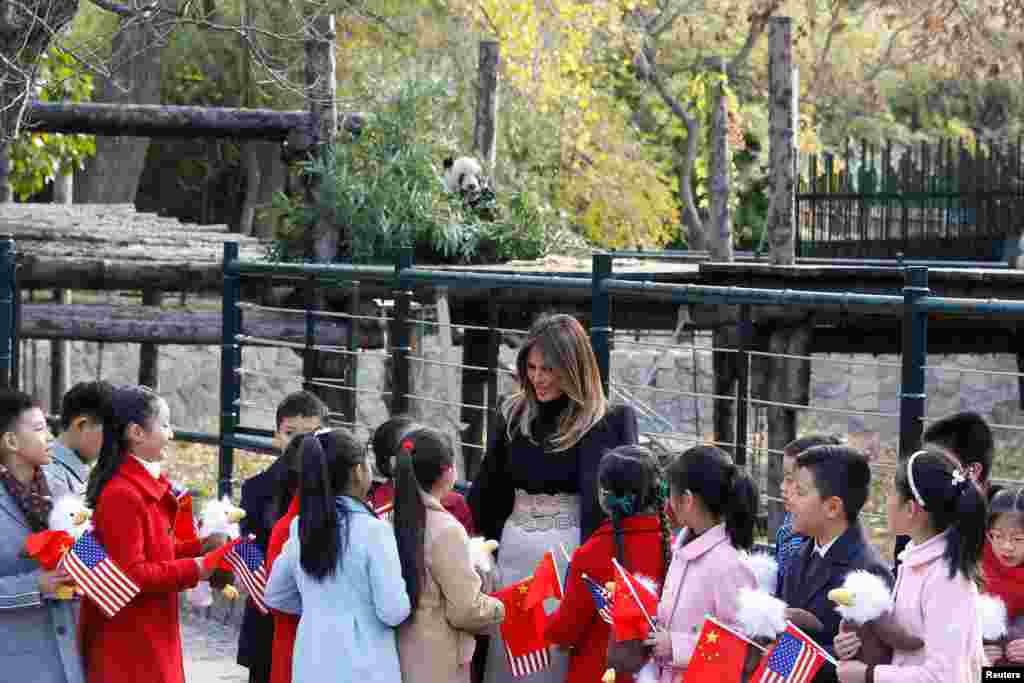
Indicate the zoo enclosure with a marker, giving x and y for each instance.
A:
(941, 200)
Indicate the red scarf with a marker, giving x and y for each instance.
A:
(1004, 582)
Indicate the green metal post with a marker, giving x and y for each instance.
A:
(914, 358)
(601, 318)
(230, 361)
(400, 335)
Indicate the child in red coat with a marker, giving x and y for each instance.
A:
(134, 512)
(386, 441)
(636, 534)
(1003, 570)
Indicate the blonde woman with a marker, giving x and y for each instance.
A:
(537, 488)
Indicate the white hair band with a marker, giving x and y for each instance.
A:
(910, 478)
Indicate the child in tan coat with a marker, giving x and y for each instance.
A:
(435, 645)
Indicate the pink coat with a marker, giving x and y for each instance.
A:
(942, 612)
(705, 577)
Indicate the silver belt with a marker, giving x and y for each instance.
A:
(545, 512)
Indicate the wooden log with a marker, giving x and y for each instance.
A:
(149, 353)
(326, 240)
(782, 127)
(167, 121)
(719, 225)
(485, 130)
(133, 324)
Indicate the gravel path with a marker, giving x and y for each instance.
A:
(210, 647)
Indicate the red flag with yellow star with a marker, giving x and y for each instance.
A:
(719, 655)
(523, 630)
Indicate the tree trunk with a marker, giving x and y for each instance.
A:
(5, 174)
(719, 226)
(782, 124)
(485, 131)
(264, 176)
(112, 175)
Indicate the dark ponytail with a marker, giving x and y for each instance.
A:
(954, 502)
(629, 485)
(130, 404)
(422, 456)
(328, 458)
(727, 492)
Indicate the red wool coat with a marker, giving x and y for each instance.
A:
(134, 520)
(576, 623)
(286, 626)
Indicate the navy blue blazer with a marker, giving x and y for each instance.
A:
(808, 590)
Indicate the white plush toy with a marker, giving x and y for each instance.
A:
(463, 175)
(765, 568)
(71, 515)
(761, 615)
(992, 615)
(481, 553)
(221, 517)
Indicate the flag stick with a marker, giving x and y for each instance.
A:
(564, 553)
(558, 574)
(739, 635)
(632, 590)
(821, 650)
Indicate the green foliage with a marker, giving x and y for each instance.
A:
(36, 158)
(384, 188)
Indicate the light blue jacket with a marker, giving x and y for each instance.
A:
(68, 467)
(38, 638)
(347, 629)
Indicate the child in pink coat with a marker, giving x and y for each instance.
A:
(936, 592)
(716, 502)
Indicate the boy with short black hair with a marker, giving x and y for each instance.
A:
(84, 410)
(299, 412)
(787, 542)
(830, 486)
(968, 438)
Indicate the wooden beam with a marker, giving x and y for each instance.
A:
(149, 353)
(135, 324)
(167, 121)
(60, 359)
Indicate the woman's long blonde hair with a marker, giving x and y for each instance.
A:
(566, 348)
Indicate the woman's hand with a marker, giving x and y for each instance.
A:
(852, 672)
(204, 571)
(994, 653)
(847, 644)
(1015, 651)
(50, 582)
(661, 641)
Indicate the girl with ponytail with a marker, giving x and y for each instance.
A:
(631, 491)
(716, 502)
(339, 570)
(134, 509)
(933, 501)
(436, 644)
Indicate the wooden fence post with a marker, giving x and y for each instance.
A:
(149, 354)
(60, 360)
(485, 131)
(719, 225)
(782, 124)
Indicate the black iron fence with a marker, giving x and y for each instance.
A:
(932, 200)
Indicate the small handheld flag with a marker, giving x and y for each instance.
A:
(245, 560)
(98, 576)
(602, 599)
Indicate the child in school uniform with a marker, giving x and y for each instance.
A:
(1003, 569)
(636, 534)
(787, 542)
(830, 486)
(717, 503)
(436, 643)
(933, 501)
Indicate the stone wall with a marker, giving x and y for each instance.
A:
(647, 372)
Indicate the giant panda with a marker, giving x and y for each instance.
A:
(463, 175)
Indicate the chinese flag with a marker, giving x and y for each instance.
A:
(48, 547)
(719, 656)
(523, 628)
(631, 620)
(545, 582)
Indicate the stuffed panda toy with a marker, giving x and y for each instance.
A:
(465, 177)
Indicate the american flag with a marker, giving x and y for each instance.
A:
(794, 659)
(530, 663)
(246, 561)
(98, 576)
(602, 598)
